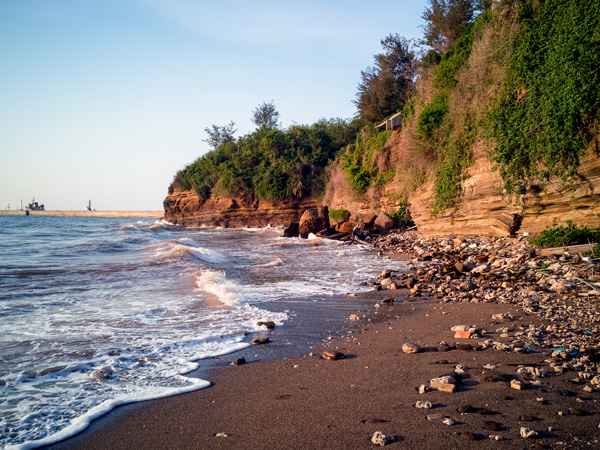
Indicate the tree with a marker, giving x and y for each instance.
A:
(266, 116)
(386, 87)
(446, 21)
(218, 136)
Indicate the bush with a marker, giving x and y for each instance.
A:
(402, 215)
(339, 215)
(432, 116)
(560, 236)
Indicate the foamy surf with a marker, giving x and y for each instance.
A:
(117, 295)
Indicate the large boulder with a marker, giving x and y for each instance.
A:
(314, 220)
(383, 223)
(292, 230)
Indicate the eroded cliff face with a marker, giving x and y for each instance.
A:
(482, 209)
(186, 209)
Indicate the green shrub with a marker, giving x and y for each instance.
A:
(559, 235)
(358, 162)
(339, 215)
(432, 116)
(402, 215)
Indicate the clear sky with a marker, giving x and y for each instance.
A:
(105, 100)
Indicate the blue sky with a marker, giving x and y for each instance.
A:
(105, 100)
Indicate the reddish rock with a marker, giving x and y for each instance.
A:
(314, 220)
(332, 355)
(383, 223)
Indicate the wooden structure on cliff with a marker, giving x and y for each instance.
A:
(393, 123)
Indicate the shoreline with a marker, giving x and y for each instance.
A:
(309, 402)
(73, 213)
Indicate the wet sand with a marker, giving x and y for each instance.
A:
(311, 403)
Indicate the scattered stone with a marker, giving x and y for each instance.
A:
(269, 324)
(261, 341)
(448, 421)
(381, 439)
(495, 437)
(423, 404)
(443, 348)
(468, 436)
(491, 425)
(409, 347)
(463, 334)
(434, 416)
(354, 317)
(292, 230)
(465, 409)
(517, 384)
(104, 373)
(238, 362)
(221, 434)
(528, 433)
(464, 346)
(423, 389)
(576, 412)
(332, 355)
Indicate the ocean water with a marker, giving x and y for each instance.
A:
(96, 313)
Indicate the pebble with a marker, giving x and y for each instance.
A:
(491, 425)
(261, 341)
(332, 355)
(528, 432)
(409, 347)
(238, 362)
(423, 404)
(448, 421)
(381, 439)
(465, 409)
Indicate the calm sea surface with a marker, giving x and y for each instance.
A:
(96, 313)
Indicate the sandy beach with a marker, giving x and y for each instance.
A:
(310, 402)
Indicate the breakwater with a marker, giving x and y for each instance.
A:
(74, 213)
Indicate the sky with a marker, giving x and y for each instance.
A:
(104, 100)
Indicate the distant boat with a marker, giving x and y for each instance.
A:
(35, 206)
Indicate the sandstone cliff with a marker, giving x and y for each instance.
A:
(481, 210)
(186, 209)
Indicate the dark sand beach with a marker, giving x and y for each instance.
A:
(307, 402)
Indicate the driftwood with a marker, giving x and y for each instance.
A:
(571, 249)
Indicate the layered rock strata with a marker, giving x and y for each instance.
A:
(186, 209)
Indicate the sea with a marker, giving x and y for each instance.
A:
(101, 312)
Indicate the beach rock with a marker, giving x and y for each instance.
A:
(292, 231)
(104, 373)
(381, 439)
(423, 404)
(51, 370)
(261, 341)
(517, 384)
(313, 220)
(446, 379)
(468, 436)
(465, 409)
(269, 324)
(528, 433)
(345, 227)
(409, 347)
(463, 334)
(332, 355)
(383, 223)
(448, 421)
(491, 425)
(436, 416)
(354, 317)
(238, 362)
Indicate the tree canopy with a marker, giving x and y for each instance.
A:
(266, 115)
(219, 135)
(446, 21)
(386, 87)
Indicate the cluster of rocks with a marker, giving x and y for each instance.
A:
(317, 222)
(563, 291)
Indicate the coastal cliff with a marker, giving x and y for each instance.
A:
(187, 209)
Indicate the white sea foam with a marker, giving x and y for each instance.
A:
(275, 262)
(175, 249)
(216, 283)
